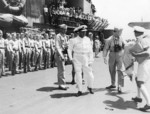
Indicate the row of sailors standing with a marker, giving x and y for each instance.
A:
(25, 50)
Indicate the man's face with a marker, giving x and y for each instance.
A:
(46, 36)
(22, 36)
(14, 36)
(82, 34)
(138, 34)
(1, 34)
(63, 31)
(91, 36)
(117, 33)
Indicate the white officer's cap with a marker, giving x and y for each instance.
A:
(81, 28)
(63, 26)
(139, 29)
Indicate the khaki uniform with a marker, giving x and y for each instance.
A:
(115, 59)
(9, 49)
(21, 53)
(47, 53)
(32, 43)
(2, 56)
(53, 49)
(14, 47)
(27, 55)
(6, 53)
(38, 55)
(97, 47)
(60, 43)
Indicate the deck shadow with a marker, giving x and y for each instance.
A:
(98, 90)
(121, 104)
(66, 95)
(47, 89)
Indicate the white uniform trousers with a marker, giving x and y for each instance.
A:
(80, 62)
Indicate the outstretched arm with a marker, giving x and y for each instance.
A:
(141, 54)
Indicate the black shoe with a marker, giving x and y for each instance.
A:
(131, 78)
(72, 82)
(62, 88)
(136, 99)
(119, 90)
(111, 87)
(79, 93)
(145, 108)
(90, 90)
(35, 69)
(3, 74)
(83, 82)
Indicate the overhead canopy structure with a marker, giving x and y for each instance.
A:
(98, 24)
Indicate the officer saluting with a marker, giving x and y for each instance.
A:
(82, 58)
(114, 44)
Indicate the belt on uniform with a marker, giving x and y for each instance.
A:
(15, 50)
(2, 48)
(48, 47)
(112, 51)
(39, 48)
(115, 51)
(27, 46)
(82, 53)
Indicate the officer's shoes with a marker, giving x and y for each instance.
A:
(137, 99)
(36, 69)
(62, 88)
(111, 87)
(145, 108)
(3, 74)
(79, 93)
(72, 82)
(90, 90)
(83, 82)
(119, 90)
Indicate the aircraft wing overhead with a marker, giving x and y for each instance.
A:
(146, 25)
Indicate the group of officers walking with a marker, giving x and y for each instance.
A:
(26, 51)
(80, 53)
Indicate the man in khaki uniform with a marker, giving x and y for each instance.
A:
(47, 51)
(60, 43)
(2, 54)
(27, 55)
(9, 51)
(114, 44)
(53, 50)
(32, 50)
(15, 48)
(38, 54)
(22, 51)
(6, 50)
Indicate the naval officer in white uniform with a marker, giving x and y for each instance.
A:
(82, 58)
